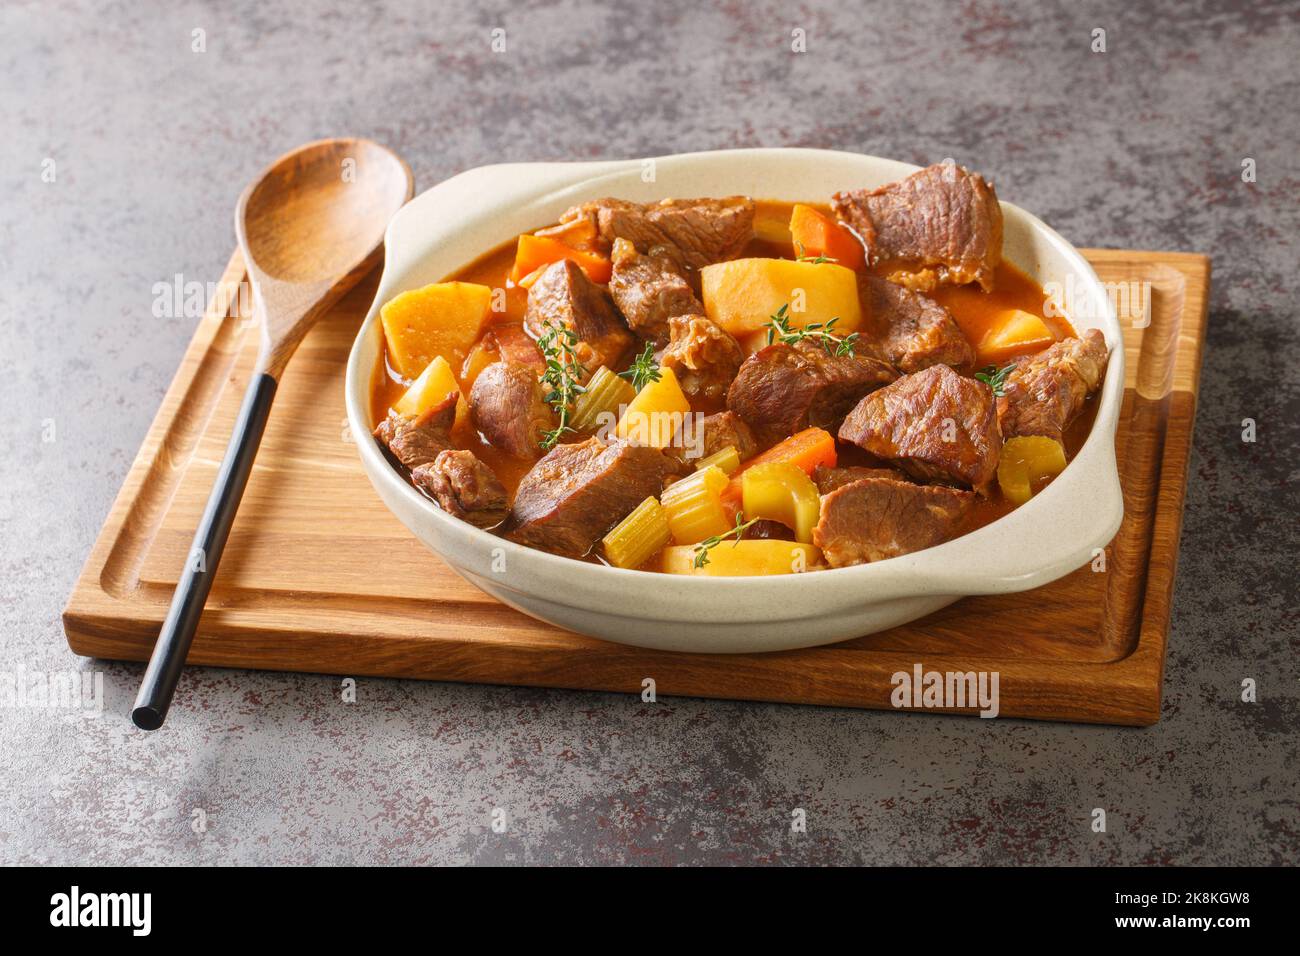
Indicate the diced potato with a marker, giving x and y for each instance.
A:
(694, 506)
(1013, 333)
(782, 492)
(445, 319)
(637, 537)
(744, 558)
(1026, 462)
(435, 383)
(479, 358)
(728, 459)
(657, 412)
(772, 225)
(742, 295)
(606, 393)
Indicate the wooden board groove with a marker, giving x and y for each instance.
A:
(303, 585)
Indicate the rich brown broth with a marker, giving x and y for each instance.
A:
(973, 310)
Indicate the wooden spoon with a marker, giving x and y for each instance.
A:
(309, 227)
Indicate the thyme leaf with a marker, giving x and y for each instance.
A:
(802, 256)
(563, 375)
(644, 369)
(708, 544)
(823, 333)
(994, 377)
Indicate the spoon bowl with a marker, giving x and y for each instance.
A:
(309, 227)
(320, 211)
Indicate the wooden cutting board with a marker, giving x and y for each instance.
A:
(319, 576)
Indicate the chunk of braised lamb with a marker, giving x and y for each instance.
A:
(942, 225)
(728, 429)
(693, 233)
(828, 479)
(564, 297)
(877, 518)
(1045, 392)
(769, 530)
(508, 403)
(464, 487)
(649, 290)
(710, 434)
(703, 356)
(415, 440)
(934, 424)
(578, 492)
(910, 329)
(781, 388)
(512, 344)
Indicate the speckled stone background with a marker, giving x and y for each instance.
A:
(1140, 147)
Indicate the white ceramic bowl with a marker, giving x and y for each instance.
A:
(455, 222)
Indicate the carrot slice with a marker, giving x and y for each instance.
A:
(817, 235)
(534, 253)
(805, 450)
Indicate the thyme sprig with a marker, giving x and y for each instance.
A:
(708, 544)
(823, 333)
(563, 376)
(994, 377)
(644, 369)
(802, 256)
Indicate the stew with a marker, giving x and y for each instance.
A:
(739, 387)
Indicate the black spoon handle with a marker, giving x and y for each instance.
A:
(192, 589)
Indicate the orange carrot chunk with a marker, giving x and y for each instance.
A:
(816, 235)
(805, 450)
(535, 253)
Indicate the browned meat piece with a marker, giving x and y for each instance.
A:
(704, 358)
(912, 330)
(649, 290)
(712, 434)
(512, 344)
(691, 232)
(563, 296)
(577, 233)
(781, 388)
(941, 225)
(934, 424)
(728, 428)
(1045, 392)
(878, 518)
(766, 529)
(415, 440)
(509, 408)
(464, 487)
(577, 492)
(828, 479)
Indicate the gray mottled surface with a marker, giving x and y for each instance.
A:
(1139, 147)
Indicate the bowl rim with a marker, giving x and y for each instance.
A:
(962, 566)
